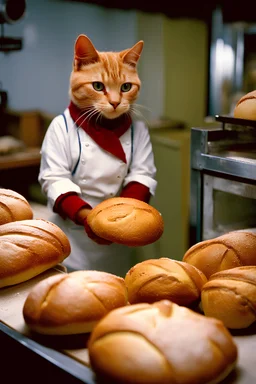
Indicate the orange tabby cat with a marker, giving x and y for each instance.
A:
(95, 151)
(104, 83)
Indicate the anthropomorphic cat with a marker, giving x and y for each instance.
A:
(95, 151)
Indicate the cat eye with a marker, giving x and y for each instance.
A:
(126, 87)
(98, 86)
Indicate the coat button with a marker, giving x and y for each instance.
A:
(87, 144)
(83, 161)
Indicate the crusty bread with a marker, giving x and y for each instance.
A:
(158, 279)
(13, 207)
(73, 303)
(126, 221)
(28, 248)
(233, 249)
(231, 297)
(246, 107)
(160, 343)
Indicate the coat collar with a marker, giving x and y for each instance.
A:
(106, 134)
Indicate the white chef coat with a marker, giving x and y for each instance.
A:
(71, 161)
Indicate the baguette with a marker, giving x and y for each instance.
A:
(126, 221)
(28, 248)
(233, 249)
(230, 296)
(158, 279)
(13, 207)
(160, 343)
(246, 107)
(73, 303)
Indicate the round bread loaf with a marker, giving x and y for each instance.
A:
(246, 107)
(160, 343)
(231, 297)
(233, 249)
(158, 279)
(73, 303)
(28, 248)
(13, 207)
(126, 221)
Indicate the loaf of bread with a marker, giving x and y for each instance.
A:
(13, 207)
(158, 279)
(160, 343)
(246, 107)
(233, 249)
(28, 248)
(73, 303)
(126, 221)
(231, 297)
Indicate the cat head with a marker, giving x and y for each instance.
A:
(104, 83)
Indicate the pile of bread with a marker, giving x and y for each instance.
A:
(166, 321)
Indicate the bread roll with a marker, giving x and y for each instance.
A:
(246, 107)
(126, 221)
(160, 343)
(233, 249)
(28, 248)
(231, 297)
(73, 303)
(13, 207)
(157, 279)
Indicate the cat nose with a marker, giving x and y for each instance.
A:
(115, 104)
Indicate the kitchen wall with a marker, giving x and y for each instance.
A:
(173, 67)
(186, 70)
(37, 76)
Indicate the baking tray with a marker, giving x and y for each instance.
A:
(70, 354)
(226, 119)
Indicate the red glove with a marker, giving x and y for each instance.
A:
(93, 236)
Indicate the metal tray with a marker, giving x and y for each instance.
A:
(235, 121)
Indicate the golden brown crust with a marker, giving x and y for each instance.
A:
(13, 207)
(158, 279)
(29, 247)
(246, 107)
(233, 249)
(73, 303)
(161, 343)
(249, 95)
(126, 221)
(231, 297)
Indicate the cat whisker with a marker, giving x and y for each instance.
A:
(100, 115)
(141, 106)
(85, 113)
(138, 114)
(93, 113)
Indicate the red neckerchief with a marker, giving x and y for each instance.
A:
(106, 137)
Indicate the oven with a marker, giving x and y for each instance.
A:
(223, 178)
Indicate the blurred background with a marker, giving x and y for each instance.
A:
(198, 60)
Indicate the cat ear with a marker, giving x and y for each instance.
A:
(84, 50)
(132, 55)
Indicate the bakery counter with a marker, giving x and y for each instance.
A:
(19, 170)
(39, 358)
